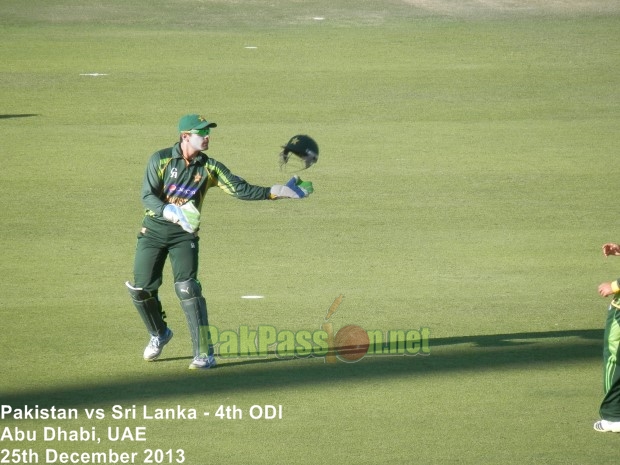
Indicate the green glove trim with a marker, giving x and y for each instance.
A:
(306, 186)
(192, 215)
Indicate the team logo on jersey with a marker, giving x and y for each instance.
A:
(198, 177)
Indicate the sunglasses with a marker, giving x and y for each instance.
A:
(201, 132)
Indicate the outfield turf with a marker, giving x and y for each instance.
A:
(465, 183)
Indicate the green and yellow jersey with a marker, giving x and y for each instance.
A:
(170, 179)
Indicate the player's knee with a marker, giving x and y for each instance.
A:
(137, 293)
(188, 289)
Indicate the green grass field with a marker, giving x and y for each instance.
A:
(465, 184)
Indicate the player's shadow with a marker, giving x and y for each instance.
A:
(450, 354)
(491, 340)
(23, 115)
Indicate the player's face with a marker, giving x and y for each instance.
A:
(198, 139)
(198, 142)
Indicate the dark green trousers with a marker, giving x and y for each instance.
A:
(157, 241)
(610, 407)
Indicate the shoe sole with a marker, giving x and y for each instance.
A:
(206, 367)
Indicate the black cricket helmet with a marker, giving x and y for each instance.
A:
(304, 147)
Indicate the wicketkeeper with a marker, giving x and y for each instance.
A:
(173, 191)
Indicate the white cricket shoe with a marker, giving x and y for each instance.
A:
(605, 426)
(203, 361)
(156, 345)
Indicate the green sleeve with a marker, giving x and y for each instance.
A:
(234, 185)
(153, 184)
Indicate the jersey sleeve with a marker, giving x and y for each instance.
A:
(153, 185)
(234, 185)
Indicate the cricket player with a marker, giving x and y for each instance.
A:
(610, 407)
(173, 192)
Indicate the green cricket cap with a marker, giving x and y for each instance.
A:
(189, 122)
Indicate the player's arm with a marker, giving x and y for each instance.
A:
(153, 186)
(241, 189)
(232, 184)
(610, 288)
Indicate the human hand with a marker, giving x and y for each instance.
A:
(306, 186)
(605, 289)
(295, 188)
(611, 248)
(174, 214)
(191, 214)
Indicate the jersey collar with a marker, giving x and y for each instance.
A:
(200, 159)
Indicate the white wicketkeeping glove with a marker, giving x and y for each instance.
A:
(191, 214)
(174, 214)
(295, 188)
